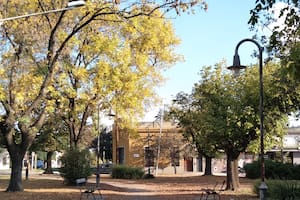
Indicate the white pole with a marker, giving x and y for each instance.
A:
(159, 139)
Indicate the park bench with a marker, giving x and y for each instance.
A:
(88, 192)
(213, 193)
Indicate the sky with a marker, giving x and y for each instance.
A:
(207, 38)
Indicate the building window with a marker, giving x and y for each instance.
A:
(175, 156)
(149, 157)
(121, 156)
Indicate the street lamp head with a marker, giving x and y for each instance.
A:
(236, 66)
(75, 3)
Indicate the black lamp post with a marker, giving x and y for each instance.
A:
(99, 143)
(98, 149)
(115, 134)
(236, 67)
(148, 155)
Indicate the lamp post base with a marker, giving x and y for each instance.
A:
(97, 179)
(263, 191)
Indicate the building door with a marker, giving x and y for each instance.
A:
(188, 164)
(121, 154)
(200, 167)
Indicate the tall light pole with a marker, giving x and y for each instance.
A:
(161, 117)
(115, 136)
(236, 67)
(70, 5)
(99, 142)
(98, 149)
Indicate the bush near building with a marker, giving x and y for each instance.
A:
(273, 170)
(283, 179)
(281, 189)
(126, 172)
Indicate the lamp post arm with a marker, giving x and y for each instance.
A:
(260, 48)
(35, 14)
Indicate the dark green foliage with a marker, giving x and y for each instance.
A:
(105, 146)
(252, 170)
(256, 187)
(284, 189)
(273, 170)
(125, 172)
(296, 172)
(281, 189)
(76, 164)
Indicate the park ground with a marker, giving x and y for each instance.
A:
(51, 187)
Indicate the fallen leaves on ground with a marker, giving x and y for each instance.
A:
(52, 187)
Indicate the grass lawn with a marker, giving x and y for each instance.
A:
(51, 187)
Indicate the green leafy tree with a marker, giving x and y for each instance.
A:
(229, 111)
(105, 145)
(188, 113)
(236, 101)
(226, 116)
(53, 136)
(75, 165)
(37, 53)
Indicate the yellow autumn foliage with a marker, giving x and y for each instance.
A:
(113, 60)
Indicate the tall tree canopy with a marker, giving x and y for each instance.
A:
(106, 51)
(189, 113)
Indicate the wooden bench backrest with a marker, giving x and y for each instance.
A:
(81, 181)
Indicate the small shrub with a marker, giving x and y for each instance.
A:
(281, 189)
(76, 164)
(273, 170)
(125, 172)
(283, 171)
(296, 172)
(270, 169)
(252, 170)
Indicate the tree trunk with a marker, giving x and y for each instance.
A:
(232, 179)
(229, 174)
(235, 173)
(16, 152)
(15, 182)
(208, 166)
(49, 170)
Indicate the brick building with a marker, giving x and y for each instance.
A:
(162, 149)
